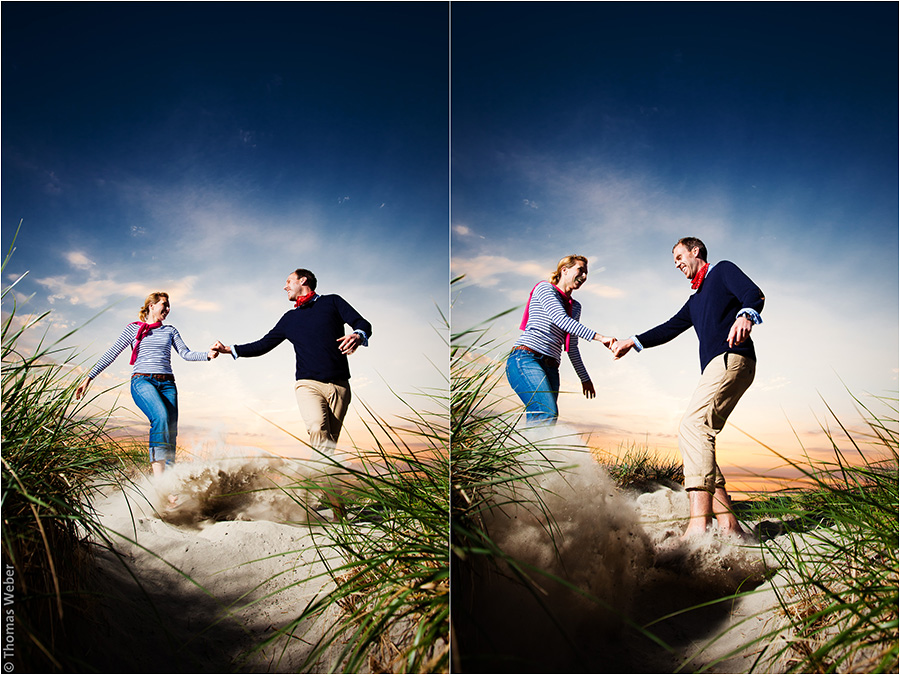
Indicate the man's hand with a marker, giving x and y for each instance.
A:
(219, 348)
(620, 349)
(588, 389)
(349, 343)
(740, 331)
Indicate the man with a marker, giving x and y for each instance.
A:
(316, 329)
(723, 310)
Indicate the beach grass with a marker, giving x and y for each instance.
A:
(501, 473)
(834, 556)
(55, 455)
(387, 606)
(839, 558)
(830, 546)
(638, 467)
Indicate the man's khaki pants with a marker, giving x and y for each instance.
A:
(323, 406)
(721, 386)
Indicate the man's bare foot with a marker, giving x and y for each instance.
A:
(695, 529)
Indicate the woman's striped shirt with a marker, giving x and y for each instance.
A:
(154, 354)
(548, 324)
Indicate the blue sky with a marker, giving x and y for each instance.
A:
(208, 149)
(611, 130)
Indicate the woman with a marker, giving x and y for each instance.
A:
(152, 381)
(551, 326)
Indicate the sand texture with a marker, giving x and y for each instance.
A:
(617, 561)
(200, 587)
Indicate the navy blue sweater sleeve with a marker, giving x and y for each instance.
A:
(351, 317)
(742, 287)
(669, 330)
(266, 343)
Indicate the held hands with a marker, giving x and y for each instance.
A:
(620, 349)
(218, 348)
(740, 331)
(349, 343)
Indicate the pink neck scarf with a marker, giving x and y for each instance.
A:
(567, 303)
(143, 331)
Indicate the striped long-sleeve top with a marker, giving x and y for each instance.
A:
(548, 325)
(154, 354)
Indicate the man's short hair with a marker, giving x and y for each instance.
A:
(691, 243)
(310, 277)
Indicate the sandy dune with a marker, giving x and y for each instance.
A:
(625, 550)
(199, 587)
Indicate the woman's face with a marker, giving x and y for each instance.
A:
(573, 277)
(158, 310)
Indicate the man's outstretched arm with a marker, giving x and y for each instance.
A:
(262, 346)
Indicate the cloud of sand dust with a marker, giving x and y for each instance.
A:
(619, 556)
(242, 488)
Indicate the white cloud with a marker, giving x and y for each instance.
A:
(465, 231)
(486, 270)
(79, 260)
(602, 290)
(98, 293)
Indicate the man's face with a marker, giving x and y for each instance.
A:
(293, 286)
(687, 261)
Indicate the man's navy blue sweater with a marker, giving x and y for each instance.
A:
(314, 330)
(712, 310)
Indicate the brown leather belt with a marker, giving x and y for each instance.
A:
(165, 377)
(548, 361)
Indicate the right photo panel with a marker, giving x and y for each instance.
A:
(674, 337)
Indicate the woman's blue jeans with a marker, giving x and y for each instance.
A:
(158, 400)
(536, 380)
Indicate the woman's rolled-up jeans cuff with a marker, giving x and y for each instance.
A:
(163, 454)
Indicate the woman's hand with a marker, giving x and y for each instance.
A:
(82, 388)
(605, 339)
(588, 388)
(211, 354)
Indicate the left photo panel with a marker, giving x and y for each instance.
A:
(225, 384)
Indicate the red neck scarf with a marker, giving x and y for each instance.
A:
(697, 281)
(142, 332)
(567, 303)
(305, 299)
